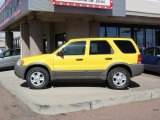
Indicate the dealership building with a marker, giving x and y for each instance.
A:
(46, 24)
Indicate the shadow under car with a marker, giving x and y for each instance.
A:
(82, 83)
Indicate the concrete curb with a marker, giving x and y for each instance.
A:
(86, 105)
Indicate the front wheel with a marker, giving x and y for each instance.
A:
(37, 78)
(118, 78)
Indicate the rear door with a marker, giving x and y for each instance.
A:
(99, 57)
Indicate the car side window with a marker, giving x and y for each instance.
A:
(157, 53)
(100, 47)
(125, 46)
(75, 48)
(9, 53)
(150, 52)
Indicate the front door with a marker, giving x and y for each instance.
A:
(73, 61)
(8, 59)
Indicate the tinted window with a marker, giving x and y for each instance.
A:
(157, 53)
(125, 46)
(99, 47)
(150, 52)
(75, 48)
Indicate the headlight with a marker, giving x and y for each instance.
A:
(20, 62)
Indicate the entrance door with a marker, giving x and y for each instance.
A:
(45, 44)
(140, 37)
(60, 39)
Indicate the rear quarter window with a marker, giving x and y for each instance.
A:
(125, 46)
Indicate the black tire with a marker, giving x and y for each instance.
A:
(113, 79)
(43, 74)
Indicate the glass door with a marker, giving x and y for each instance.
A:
(60, 39)
(140, 37)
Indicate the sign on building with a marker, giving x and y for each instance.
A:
(98, 4)
(9, 10)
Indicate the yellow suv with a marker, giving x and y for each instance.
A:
(111, 59)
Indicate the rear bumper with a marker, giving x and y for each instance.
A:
(20, 71)
(136, 69)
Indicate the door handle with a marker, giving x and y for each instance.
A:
(108, 58)
(79, 59)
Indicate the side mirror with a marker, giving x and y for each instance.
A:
(60, 53)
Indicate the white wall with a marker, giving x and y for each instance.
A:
(143, 6)
(16, 34)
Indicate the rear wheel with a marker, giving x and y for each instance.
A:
(118, 78)
(37, 78)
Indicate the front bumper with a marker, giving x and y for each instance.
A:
(136, 69)
(20, 71)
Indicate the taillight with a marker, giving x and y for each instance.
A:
(139, 58)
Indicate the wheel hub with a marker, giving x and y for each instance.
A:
(37, 78)
(119, 79)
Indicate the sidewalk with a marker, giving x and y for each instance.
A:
(69, 96)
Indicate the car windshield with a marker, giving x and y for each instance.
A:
(1, 54)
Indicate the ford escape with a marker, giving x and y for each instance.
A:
(113, 59)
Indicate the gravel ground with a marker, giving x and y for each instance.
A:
(13, 109)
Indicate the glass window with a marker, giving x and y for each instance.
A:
(45, 44)
(99, 47)
(125, 32)
(75, 48)
(150, 52)
(9, 53)
(17, 52)
(16, 42)
(125, 46)
(144, 36)
(157, 53)
(112, 31)
(150, 38)
(139, 36)
(157, 37)
(60, 39)
(102, 32)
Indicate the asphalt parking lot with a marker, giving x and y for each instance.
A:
(68, 96)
